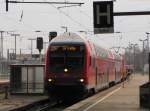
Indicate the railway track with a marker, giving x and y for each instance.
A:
(49, 106)
(43, 107)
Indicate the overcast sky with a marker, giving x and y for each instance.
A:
(48, 18)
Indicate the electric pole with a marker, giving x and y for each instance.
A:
(143, 41)
(31, 39)
(134, 45)
(15, 35)
(1, 54)
(147, 41)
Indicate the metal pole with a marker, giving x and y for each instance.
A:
(134, 58)
(31, 46)
(1, 44)
(143, 57)
(8, 54)
(149, 67)
(148, 41)
(15, 35)
(143, 54)
(20, 53)
(129, 54)
(15, 47)
(66, 28)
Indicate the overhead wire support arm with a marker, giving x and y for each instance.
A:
(47, 2)
(71, 3)
(131, 13)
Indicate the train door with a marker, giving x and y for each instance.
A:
(115, 74)
(106, 76)
(98, 79)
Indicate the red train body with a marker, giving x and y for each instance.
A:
(77, 65)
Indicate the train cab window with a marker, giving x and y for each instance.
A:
(66, 56)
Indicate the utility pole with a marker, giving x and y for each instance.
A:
(31, 39)
(147, 41)
(15, 35)
(1, 56)
(130, 47)
(147, 47)
(143, 41)
(134, 45)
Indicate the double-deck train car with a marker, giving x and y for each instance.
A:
(75, 65)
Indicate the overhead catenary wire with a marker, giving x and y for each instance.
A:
(67, 15)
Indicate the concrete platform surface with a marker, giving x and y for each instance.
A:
(18, 101)
(117, 98)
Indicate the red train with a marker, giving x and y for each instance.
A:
(77, 65)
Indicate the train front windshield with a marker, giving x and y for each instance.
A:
(66, 58)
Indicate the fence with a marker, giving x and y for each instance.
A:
(27, 79)
(4, 67)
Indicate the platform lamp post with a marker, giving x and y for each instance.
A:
(147, 41)
(143, 41)
(130, 48)
(148, 62)
(120, 37)
(1, 54)
(15, 35)
(134, 45)
(31, 39)
(64, 27)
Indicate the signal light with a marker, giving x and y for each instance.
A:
(39, 43)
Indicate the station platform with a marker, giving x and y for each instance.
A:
(117, 98)
(19, 102)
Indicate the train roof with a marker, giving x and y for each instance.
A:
(74, 38)
(68, 38)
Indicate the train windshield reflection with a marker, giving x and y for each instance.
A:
(66, 56)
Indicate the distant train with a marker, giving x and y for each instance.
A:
(76, 65)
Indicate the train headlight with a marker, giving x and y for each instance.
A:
(65, 70)
(49, 80)
(81, 80)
